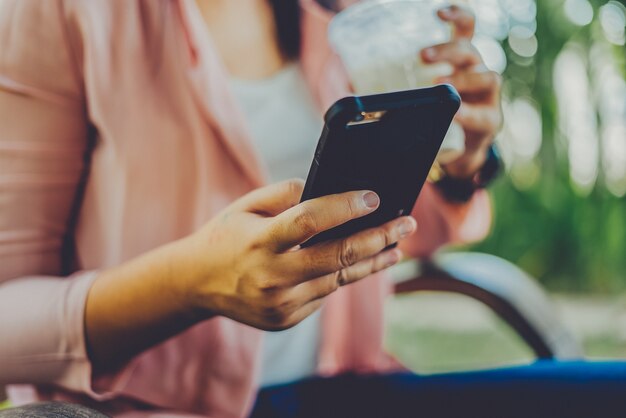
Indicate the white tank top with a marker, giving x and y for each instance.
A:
(285, 125)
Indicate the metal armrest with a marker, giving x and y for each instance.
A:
(508, 291)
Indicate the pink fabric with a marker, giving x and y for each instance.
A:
(139, 88)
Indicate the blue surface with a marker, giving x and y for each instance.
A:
(544, 389)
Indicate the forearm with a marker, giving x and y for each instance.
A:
(135, 306)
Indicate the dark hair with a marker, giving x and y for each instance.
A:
(287, 18)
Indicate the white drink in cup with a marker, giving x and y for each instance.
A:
(379, 42)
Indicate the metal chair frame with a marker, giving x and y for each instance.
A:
(509, 292)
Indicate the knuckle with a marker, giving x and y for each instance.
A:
(347, 255)
(267, 285)
(271, 237)
(278, 314)
(351, 207)
(338, 279)
(258, 242)
(386, 237)
(328, 284)
(306, 222)
(285, 305)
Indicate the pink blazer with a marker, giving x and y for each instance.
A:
(118, 134)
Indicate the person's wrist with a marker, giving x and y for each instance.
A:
(466, 166)
(184, 272)
(460, 189)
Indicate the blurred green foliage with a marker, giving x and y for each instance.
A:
(570, 241)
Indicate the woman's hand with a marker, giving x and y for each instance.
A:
(246, 264)
(480, 114)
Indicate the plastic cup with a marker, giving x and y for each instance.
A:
(379, 42)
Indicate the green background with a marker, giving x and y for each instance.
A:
(570, 239)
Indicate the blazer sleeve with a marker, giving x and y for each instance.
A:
(441, 222)
(43, 143)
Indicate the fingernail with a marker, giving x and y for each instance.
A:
(405, 228)
(429, 53)
(371, 200)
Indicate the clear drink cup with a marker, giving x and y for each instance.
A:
(379, 42)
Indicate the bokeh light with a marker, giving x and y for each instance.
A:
(579, 12)
(492, 52)
(491, 18)
(523, 41)
(577, 117)
(613, 20)
(610, 90)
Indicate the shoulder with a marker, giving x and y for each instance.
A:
(38, 49)
(49, 42)
(115, 20)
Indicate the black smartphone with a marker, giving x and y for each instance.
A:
(384, 142)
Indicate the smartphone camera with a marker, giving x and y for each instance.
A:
(367, 117)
